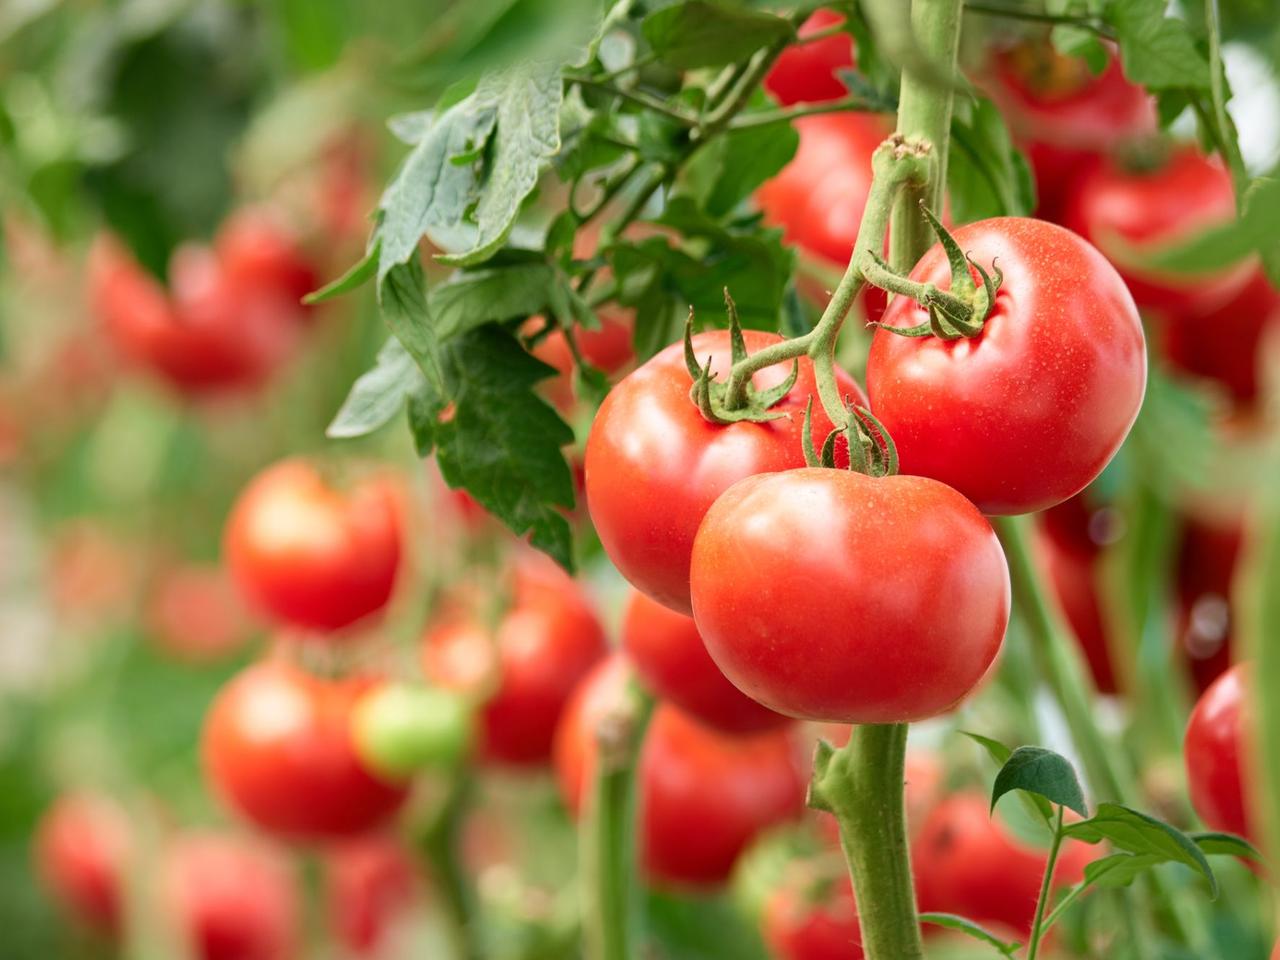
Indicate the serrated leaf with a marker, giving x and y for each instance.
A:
(998, 751)
(1214, 844)
(699, 33)
(473, 298)
(1120, 869)
(1158, 52)
(356, 276)
(527, 103)
(966, 926)
(1037, 805)
(1142, 834)
(1041, 771)
(378, 394)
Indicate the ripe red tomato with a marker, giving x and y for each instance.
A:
(278, 748)
(82, 844)
(671, 660)
(527, 668)
(232, 898)
(966, 863)
(371, 886)
(195, 614)
(808, 71)
(1207, 560)
(1064, 115)
(260, 253)
(1028, 412)
(813, 925)
(1215, 750)
(1148, 210)
(1224, 345)
(830, 595)
(703, 795)
(654, 464)
(1073, 575)
(309, 555)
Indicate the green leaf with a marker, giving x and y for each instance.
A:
(1119, 869)
(1040, 771)
(473, 298)
(998, 751)
(735, 164)
(1158, 52)
(966, 926)
(1174, 438)
(355, 277)
(1214, 844)
(379, 394)
(1138, 833)
(703, 34)
(986, 176)
(411, 128)
(1073, 41)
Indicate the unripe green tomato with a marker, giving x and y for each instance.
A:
(400, 729)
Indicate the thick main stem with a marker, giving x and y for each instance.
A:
(863, 786)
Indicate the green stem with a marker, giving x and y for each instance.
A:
(1046, 889)
(764, 118)
(638, 98)
(862, 784)
(612, 890)
(1223, 133)
(924, 114)
(439, 844)
(1039, 16)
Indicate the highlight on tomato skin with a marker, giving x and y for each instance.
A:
(1215, 751)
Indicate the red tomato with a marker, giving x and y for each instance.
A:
(234, 899)
(81, 846)
(808, 71)
(372, 884)
(703, 795)
(1207, 559)
(1144, 211)
(654, 464)
(800, 927)
(1064, 115)
(1224, 345)
(1073, 576)
(1028, 412)
(258, 252)
(1215, 750)
(278, 748)
(528, 667)
(830, 595)
(309, 555)
(669, 657)
(608, 349)
(195, 614)
(966, 863)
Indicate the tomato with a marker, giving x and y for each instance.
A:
(607, 349)
(703, 795)
(654, 464)
(1207, 560)
(1073, 576)
(1064, 115)
(1224, 345)
(82, 844)
(309, 555)
(278, 747)
(671, 661)
(811, 925)
(195, 614)
(809, 71)
(1028, 412)
(527, 668)
(1215, 750)
(966, 863)
(830, 595)
(259, 253)
(1133, 213)
(371, 886)
(232, 898)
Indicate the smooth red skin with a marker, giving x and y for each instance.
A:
(966, 863)
(259, 252)
(672, 662)
(1073, 577)
(195, 614)
(277, 746)
(311, 556)
(794, 929)
(545, 643)
(807, 72)
(371, 884)
(1064, 131)
(1224, 345)
(912, 608)
(1213, 750)
(1207, 559)
(1027, 413)
(654, 464)
(234, 899)
(211, 336)
(1154, 210)
(703, 795)
(81, 845)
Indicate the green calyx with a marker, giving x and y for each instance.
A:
(961, 310)
(735, 399)
(871, 449)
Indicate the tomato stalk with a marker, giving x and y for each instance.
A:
(439, 845)
(1038, 926)
(609, 831)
